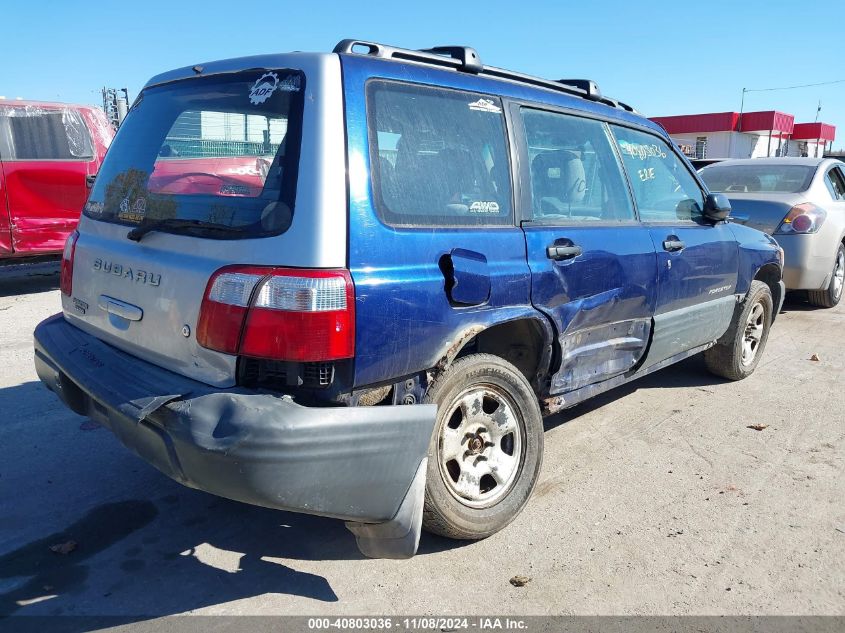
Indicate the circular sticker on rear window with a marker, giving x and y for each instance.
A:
(263, 88)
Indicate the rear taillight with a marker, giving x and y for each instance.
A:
(279, 313)
(224, 307)
(801, 219)
(66, 279)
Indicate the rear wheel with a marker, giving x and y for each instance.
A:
(830, 297)
(486, 450)
(736, 355)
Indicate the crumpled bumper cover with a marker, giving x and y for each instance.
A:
(365, 465)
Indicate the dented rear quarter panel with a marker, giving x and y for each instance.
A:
(405, 322)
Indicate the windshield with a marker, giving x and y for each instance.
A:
(757, 178)
(220, 150)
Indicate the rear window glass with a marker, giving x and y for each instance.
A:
(35, 133)
(754, 178)
(218, 150)
(438, 157)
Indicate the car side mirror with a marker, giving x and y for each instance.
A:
(717, 207)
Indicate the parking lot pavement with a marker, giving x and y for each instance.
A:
(656, 498)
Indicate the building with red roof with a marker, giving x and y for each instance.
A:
(748, 135)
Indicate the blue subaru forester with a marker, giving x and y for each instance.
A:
(352, 284)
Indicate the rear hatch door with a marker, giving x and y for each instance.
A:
(202, 174)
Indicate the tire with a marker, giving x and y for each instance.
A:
(736, 355)
(830, 297)
(487, 414)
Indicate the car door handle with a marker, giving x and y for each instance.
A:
(558, 253)
(673, 245)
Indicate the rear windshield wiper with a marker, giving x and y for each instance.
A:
(179, 225)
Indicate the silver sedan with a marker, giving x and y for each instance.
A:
(799, 201)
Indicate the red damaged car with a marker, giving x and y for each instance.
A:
(47, 151)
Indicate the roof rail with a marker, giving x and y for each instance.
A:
(466, 59)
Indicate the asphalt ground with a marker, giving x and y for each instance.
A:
(655, 498)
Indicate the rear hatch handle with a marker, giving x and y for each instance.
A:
(120, 308)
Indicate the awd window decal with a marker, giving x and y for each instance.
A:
(485, 105)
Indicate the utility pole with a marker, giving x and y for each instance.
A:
(739, 130)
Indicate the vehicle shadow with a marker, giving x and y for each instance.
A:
(163, 564)
(17, 280)
(167, 550)
(687, 373)
(797, 301)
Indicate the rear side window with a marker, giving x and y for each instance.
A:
(664, 189)
(835, 183)
(215, 155)
(438, 157)
(35, 133)
(575, 174)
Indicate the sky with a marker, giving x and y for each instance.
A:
(663, 58)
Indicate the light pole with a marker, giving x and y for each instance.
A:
(741, 109)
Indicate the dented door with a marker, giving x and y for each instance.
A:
(48, 154)
(601, 300)
(593, 265)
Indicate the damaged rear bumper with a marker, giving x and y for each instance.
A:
(365, 465)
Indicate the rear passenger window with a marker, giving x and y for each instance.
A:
(575, 174)
(40, 134)
(438, 157)
(835, 184)
(664, 188)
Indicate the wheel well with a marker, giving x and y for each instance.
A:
(521, 342)
(770, 274)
